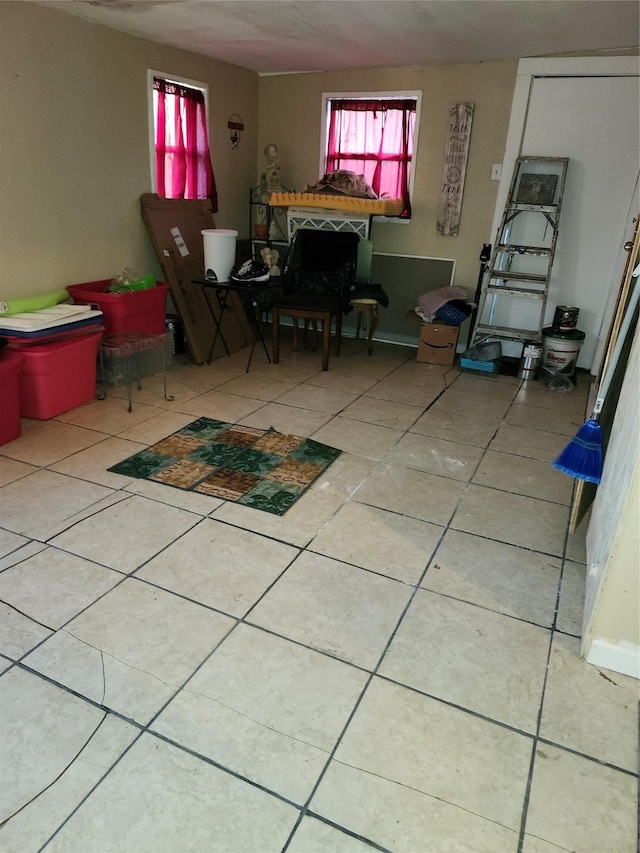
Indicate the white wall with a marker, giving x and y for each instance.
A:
(588, 110)
(611, 635)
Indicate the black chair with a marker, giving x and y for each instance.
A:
(316, 282)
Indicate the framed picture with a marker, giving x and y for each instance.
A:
(536, 189)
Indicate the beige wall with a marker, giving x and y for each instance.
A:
(74, 146)
(290, 116)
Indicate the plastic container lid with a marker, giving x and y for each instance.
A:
(573, 335)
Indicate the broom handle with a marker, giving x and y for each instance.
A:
(622, 336)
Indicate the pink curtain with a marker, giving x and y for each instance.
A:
(183, 161)
(374, 139)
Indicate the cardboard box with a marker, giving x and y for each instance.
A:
(437, 343)
(175, 227)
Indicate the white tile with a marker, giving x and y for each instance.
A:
(93, 464)
(431, 375)
(127, 534)
(132, 649)
(342, 380)
(266, 708)
(50, 736)
(536, 394)
(297, 526)
(53, 586)
(403, 392)
(314, 836)
(483, 661)
(25, 551)
(153, 392)
(472, 406)
(156, 428)
(450, 426)
(33, 506)
(548, 420)
(44, 442)
(578, 804)
(18, 633)
(487, 387)
(222, 407)
(535, 443)
(381, 541)
(414, 774)
(317, 399)
(572, 592)
(514, 519)
(382, 412)
(368, 440)
(335, 608)
(257, 386)
(10, 542)
(523, 476)
(446, 458)
(289, 370)
(589, 709)
(409, 492)
(219, 565)
(109, 416)
(11, 469)
(288, 419)
(345, 475)
(500, 577)
(159, 799)
(194, 502)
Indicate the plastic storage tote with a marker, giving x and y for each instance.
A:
(140, 311)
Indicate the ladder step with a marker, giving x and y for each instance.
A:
(523, 250)
(506, 332)
(509, 275)
(541, 208)
(525, 292)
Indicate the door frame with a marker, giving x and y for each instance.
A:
(528, 71)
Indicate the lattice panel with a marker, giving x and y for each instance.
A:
(327, 220)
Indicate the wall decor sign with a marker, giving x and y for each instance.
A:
(455, 166)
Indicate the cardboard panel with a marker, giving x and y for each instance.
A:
(437, 343)
(174, 226)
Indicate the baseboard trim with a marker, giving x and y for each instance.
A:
(620, 657)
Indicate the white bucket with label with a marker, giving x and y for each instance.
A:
(219, 252)
(560, 350)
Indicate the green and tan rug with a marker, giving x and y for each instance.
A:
(261, 468)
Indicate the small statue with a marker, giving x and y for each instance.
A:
(270, 258)
(270, 179)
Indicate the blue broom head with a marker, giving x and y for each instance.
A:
(582, 457)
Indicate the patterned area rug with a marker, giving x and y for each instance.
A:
(261, 468)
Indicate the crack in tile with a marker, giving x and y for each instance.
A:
(257, 722)
(427, 794)
(59, 776)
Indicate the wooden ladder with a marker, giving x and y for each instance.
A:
(523, 253)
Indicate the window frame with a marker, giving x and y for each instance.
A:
(415, 95)
(181, 81)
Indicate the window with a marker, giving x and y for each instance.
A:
(374, 136)
(180, 141)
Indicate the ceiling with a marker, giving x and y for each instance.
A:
(280, 36)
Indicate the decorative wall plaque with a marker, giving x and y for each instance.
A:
(455, 166)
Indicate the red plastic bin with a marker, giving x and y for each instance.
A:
(58, 376)
(10, 367)
(140, 311)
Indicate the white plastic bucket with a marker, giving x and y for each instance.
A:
(560, 350)
(219, 252)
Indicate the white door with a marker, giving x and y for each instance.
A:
(595, 122)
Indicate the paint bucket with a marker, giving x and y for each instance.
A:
(565, 318)
(560, 350)
(219, 252)
(530, 360)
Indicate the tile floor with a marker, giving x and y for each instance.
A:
(391, 665)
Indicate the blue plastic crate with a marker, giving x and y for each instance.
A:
(451, 315)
